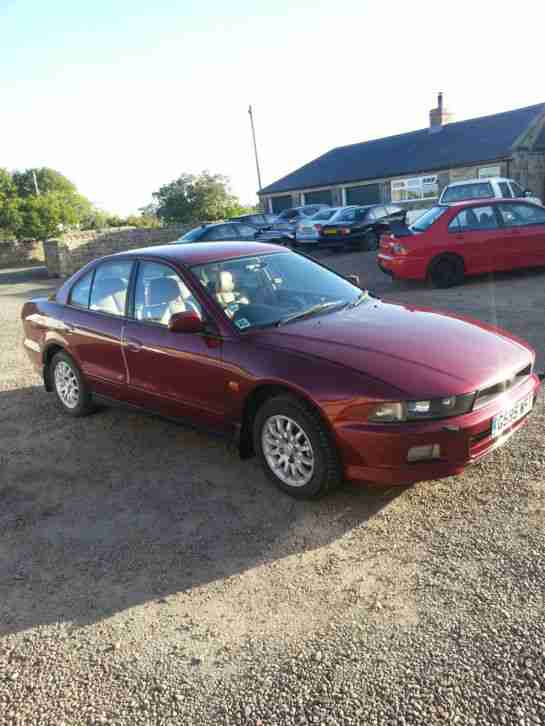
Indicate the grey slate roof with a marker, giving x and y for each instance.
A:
(457, 144)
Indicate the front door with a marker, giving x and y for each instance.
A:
(175, 374)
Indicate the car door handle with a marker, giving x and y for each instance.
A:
(134, 345)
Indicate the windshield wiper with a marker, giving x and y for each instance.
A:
(318, 308)
(364, 295)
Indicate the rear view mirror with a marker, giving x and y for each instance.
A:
(354, 279)
(186, 322)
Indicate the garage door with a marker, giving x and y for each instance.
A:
(280, 203)
(324, 196)
(366, 194)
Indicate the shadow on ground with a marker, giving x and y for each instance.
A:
(103, 513)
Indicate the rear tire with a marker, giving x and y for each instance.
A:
(371, 241)
(71, 391)
(295, 448)
(446, 271)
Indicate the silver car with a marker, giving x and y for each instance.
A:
(308, 230)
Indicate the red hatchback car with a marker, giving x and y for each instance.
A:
(448, 242)
(319, 378)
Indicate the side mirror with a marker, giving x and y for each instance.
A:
(186, 322)
(354, 279)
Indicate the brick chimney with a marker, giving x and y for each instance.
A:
(439, 116)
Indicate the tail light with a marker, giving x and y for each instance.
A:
(344, 230)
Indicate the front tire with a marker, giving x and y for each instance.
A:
(70, 389)
(447, 271)
(295, 448)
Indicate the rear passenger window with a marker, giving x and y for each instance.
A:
(474, 218)
(109, 293)
(81, 291)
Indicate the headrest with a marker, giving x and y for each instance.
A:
(109, 286)
(227, 284)
(162, 290)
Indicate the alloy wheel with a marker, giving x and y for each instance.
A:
(287, 450)
(67, 384)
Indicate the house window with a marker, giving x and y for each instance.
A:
(324, 196)
(485, 172)
(419, 187)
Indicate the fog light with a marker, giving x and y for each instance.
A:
(424, 453)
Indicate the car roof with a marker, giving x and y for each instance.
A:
(199, 253)
(480, 180)
(483, 200)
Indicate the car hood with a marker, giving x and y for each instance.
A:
(420, 352)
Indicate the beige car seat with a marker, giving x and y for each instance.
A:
(110, 295)
(164, 299)
(226, 294)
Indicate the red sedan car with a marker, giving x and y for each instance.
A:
(469, 238)
(319, 378)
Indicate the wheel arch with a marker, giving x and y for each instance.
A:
(253, 402)
(445, 255)
(48, 354)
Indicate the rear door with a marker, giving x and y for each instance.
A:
(475, 234)
(524, 226)
(95, 316)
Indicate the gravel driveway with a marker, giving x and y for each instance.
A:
(147, 576)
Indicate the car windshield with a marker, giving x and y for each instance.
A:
(275, 288)
(425, 221)
(193, 234)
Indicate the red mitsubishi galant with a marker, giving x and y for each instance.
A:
(320, 379)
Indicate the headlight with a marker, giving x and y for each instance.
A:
(391, 412)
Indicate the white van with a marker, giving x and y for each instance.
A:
(495, 187)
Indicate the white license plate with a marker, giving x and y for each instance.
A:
(510, 416)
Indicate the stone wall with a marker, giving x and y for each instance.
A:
(66, 255)
(18, 254)
(528, 169)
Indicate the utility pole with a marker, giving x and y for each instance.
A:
(255, 147)
(35, 183)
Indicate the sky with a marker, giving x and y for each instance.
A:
(124, 96)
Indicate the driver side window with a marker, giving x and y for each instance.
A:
(160, 293)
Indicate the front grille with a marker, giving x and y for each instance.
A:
(486, 395)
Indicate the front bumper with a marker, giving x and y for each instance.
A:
(378, 453)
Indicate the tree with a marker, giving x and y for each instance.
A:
(48, 180)
(192, 198)
(9, 203)
(30, 213)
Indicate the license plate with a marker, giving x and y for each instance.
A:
(510, 416)
(330, 231)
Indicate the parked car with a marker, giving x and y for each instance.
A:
(451, 241)
(319, 378)
(496, 187)
(308, 230)
(288, 219)
(360, 226)
(224, 231)
(257, 219)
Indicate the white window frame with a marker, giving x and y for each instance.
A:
(487, 172)
(416, 185)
